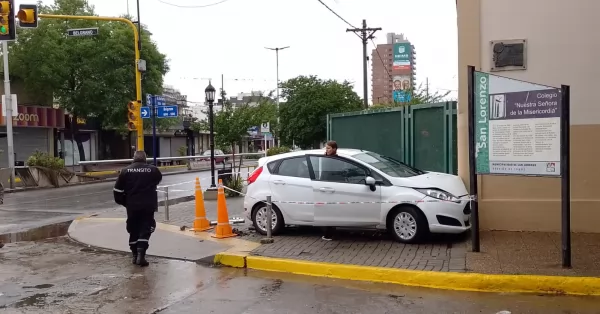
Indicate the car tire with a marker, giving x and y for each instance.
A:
(407, 224)
(259, 210)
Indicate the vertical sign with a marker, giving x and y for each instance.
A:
(402, 57)
(517, 127)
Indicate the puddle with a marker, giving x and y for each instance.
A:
(37, 300)
(42, 286)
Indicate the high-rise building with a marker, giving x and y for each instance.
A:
(394, 70)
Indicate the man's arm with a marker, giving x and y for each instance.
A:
(119, 189)
(158, 175)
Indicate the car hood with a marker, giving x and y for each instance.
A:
(447, 182)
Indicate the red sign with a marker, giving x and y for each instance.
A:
(37, 117)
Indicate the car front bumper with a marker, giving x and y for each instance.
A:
(445, 216)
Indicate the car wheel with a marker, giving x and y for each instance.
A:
(259, 215)
(407, 224)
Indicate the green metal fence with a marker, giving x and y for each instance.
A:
(423, 136)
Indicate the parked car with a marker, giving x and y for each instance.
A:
(356, 188)
(220, 157)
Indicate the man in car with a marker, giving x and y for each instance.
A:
(330, 150)
(136, 190)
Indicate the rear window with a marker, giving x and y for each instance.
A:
(273, 165)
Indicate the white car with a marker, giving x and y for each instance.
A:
(356, 188)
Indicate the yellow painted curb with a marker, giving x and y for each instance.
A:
(101, 173)
(231, 259)
(428, 279)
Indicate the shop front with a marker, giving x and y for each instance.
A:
(87, 134)
(33, 129)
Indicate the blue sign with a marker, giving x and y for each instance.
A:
(160, 100)
(401, 96)
(167, 111)
(145, 112)
(149, 98)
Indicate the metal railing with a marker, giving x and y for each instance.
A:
(125, 161)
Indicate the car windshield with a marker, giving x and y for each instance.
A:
(388, 165)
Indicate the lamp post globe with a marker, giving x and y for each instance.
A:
(210, 92)
(210, 98)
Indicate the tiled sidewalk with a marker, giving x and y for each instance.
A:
(501, 252)
(368, 248)
(183, 214)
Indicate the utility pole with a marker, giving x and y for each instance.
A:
(223, 94)
(427, 88)
(277, 68)
(139, 25)
(9, 116)
(365, 34)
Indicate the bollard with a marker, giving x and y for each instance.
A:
(166, 203)
(269, 217)
(268, 223)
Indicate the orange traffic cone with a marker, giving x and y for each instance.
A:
(223, 229)
(200, 222)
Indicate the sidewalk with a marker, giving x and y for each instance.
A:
(512, 262)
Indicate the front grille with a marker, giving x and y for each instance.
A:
(467, 209)
(448, 221)
(467, 223)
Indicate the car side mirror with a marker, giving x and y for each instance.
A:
(370, 181)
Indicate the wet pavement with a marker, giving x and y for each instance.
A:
(29, 209)
(57, 276)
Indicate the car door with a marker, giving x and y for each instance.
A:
(341, 196)
(291, 186)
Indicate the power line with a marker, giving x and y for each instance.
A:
(335, 13)
(381, 59)
(192, 6)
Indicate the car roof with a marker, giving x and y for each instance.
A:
(340, 152)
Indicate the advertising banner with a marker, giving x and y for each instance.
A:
(517, 126)
(402, 89)
(402, 57)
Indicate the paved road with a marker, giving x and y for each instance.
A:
(56, 276)
(31, 208)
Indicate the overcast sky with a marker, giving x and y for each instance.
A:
(229, 38)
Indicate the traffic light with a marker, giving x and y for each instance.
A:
(133, 115)
(7, 20)
(28, 15)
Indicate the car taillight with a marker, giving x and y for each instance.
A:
(254, 175)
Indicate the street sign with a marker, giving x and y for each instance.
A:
(167, 111)
(160, 100)
(149, 100)
(265, 127)
(145, 112)
(13, 104)
(78, 32)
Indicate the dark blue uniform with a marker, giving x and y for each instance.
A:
(136, 190)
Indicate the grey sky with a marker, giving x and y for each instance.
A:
(229, 39)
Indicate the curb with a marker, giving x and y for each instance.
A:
(556, 285)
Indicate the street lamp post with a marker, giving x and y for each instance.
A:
(210, 98)
(277, 61)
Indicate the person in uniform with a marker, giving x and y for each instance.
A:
(330, 150)
(136, 190)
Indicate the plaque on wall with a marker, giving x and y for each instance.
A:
(508, 55)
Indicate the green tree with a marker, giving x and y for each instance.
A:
(420, 95)
(88, 76)
(308, 102)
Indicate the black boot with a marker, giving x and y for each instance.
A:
(141, 258)
(134, 254)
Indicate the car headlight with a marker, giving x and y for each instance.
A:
(439, 194)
